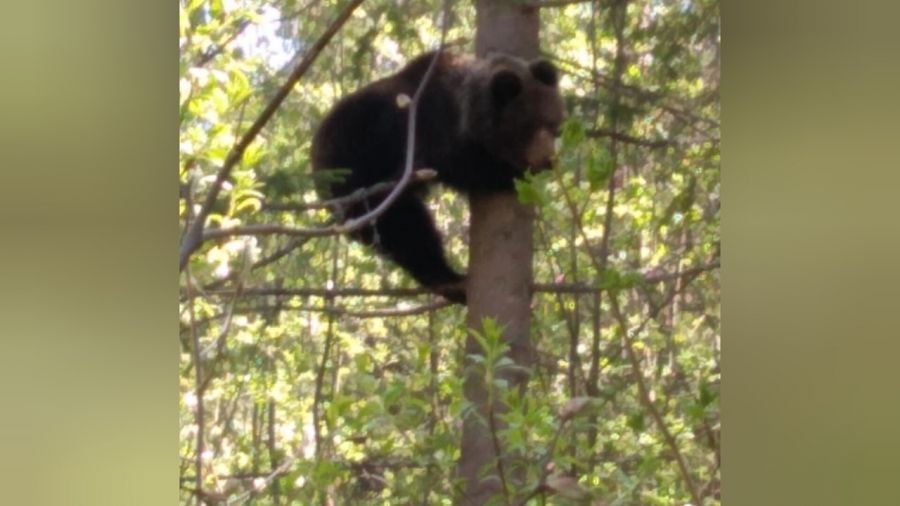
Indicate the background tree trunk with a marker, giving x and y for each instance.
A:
(500, 257)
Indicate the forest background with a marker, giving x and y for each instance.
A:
(314, 372)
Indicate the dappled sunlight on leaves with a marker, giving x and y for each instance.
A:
(315, 397)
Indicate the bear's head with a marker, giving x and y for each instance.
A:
(512, 107)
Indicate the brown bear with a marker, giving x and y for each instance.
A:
(480, 124)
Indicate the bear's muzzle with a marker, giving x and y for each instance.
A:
(541, 150)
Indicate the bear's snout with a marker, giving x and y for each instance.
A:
(541, 150)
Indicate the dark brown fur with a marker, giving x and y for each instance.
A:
(480, 124)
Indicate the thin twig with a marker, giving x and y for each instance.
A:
(268, 229)
(593, 377)
(327, 292)
(280, 470)
(199, 416)
(320, 370)
(219, 343)
(371, 216)
(544, 4)
(208, 55)
(545, 466)
(629, 139)
(495, 440)
(372, 313)
(644, 394)
(273, 453)
(195, 355)
(259, 230)
(386, 313)
(274, 257)
(359, 195)
(194, 236)
(643, 94)
(551, 288)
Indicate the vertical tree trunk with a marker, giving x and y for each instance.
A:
(500, 256)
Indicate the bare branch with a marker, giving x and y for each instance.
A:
(195, 354)
(335, 229)
(651, 277)
(194, 236)
(326, 292)
(208, 55)
(219, 343)
(544, 466)
(420, 175)
(636, 92)
(199, 415)
(543, 4)
(268, 229)
(644, 394)
(386, 313)
(628, 139)
(274, 257)
(320, 369)
(273, 452)
(551, 288)
(405, 179)
(396, 189)
(279, 471)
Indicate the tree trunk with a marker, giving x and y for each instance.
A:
(500, 256)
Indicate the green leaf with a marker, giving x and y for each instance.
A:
(573, 133)
(527, 192)
(636, 422)
(707, 395)
(599, 168)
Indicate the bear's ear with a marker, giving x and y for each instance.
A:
(505, 86)
(544, 71)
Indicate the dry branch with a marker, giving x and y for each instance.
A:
(643, 390)
(265, 229)
(420, 175)
(194, 236)
(552, 288)
(628, 139)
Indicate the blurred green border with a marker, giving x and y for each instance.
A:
(88, 119)
(89, 156)
(811, 384)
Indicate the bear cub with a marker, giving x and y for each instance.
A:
(480, 124)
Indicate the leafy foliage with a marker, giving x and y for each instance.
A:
(307, 395)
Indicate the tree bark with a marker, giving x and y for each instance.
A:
(500, 270)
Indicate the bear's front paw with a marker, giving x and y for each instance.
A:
(454, 292)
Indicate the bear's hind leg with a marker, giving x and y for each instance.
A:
(406, 233)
